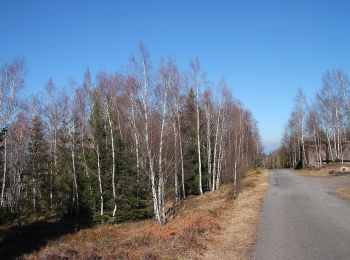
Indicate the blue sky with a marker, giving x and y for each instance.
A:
(264, 49)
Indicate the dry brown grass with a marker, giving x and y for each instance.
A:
(212, 226)
(249, 182)
(240, 221)
(324, 171)
(343, 192)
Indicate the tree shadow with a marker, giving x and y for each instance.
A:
(18, 241)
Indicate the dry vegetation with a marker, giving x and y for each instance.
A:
(343, 192)
(324, 171)
(240, 220)
(212, 226)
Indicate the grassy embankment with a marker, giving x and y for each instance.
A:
(213, 226)
(325, 171)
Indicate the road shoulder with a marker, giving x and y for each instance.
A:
(237, 239)
(331, 173)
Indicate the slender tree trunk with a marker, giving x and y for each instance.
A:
(294, 156)
(319, 150)
(113, 158)
(55, 151)
(136, 140)
(135, 136)
(53, 165)
(51, 184)
(235, 181)
(176, 186)
(75, 184)
(209, 147)
(330, 148)
(316, 149)
(160, 169)
(148, 147)
(304, 162)
(86, 168)
(339, 144)
(299, 151)
(215, 151)
(181, 152)
(199, 145)
(335, 145)
(218, 175)
(4, 172)
(99, 178)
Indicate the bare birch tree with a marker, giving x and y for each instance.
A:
(142, 69)
(196, 78)
(208, 115)
(11, 80)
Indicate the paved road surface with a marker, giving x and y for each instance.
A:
(303, 219)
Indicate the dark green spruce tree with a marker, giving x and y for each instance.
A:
(37, 172)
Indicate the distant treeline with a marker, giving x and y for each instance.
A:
(324, 124)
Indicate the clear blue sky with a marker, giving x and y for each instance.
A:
(264, 49)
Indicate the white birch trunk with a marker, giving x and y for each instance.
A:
(75, 179)
(176, 186)
(316, 149)
(220, 155)
(113, 158)
(209, 145)
(215, 151)
(198, 139)
(319, 150)
(304, 163)
(330, 148)
(335, 145)
(148, 148)
(339, 144)
(235, 181)
(75, 184)
(51, 185)
(181, 152)
(161, 195)
(4, 172)
(135, 136)
(199, 155)
(99, 178)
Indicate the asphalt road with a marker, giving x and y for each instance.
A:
(302, 218)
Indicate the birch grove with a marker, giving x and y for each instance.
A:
(122, 146)
(319, 131)
(11, 79)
